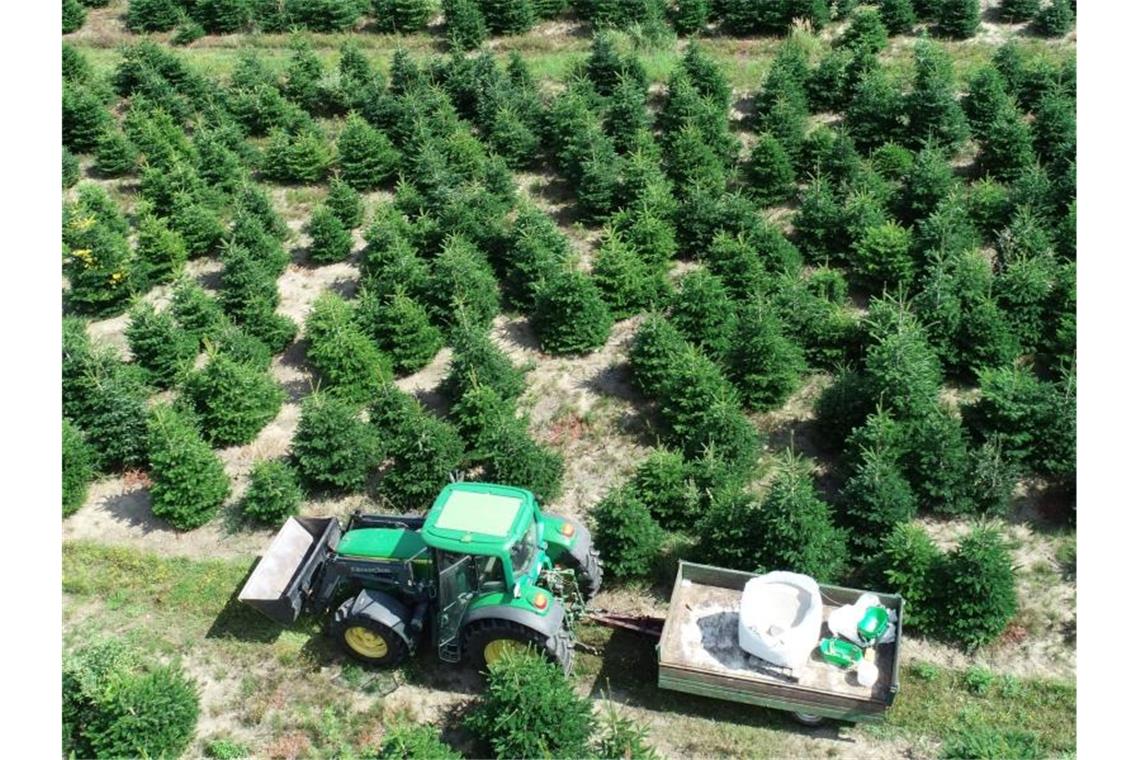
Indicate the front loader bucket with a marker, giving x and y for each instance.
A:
(283, 578)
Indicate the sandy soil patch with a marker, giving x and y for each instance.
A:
(584, 407)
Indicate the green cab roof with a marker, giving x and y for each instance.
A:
(377, 543)
(477, 518)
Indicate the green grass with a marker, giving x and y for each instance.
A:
(939, 703)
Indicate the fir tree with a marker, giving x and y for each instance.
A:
(897, 15)
(829, 86)
(628, 283)
(1026, 288)
(78, 467)
(462, 281)
(1016, 11)
(196, 312)
(768, 172)
(706, 75)
(508, 16)
(984, 99)
(108, 401)
(247, 232)
(333, 447)
(330, 241)
(874, 113)
(819, 220)
(962, 318)
(874, 500)
(425, 452)
(511, 138)
(152, 15)
(477, 361)
(655, 346)
(159, 345)
(1007, 145)
(975, 590)
(882, 257)
(1055, 19)
(242, 347)
(74, 14)
(795, 528)
(866, 36)
(189, 483)
(70, 170)
(988, 204)
(629, 539)
(233, 401)
(464, 25)
(274, 493)
(903, 371)
(1055, 128)
(510, 455)
(223, 16)
(691, 16)
(401, 327)
(763, 364)
(936, 461)
(734, 260)
(702, 311)
(402, 15)
(932, 105)
(662, 482)
(929, 181)
(701, 411)
(198, 225)
(349, 364)
(907, 565)
(570, 315)
(114, 154)
(160, 252)
(958, 18)
(84, 118)
(97, 263)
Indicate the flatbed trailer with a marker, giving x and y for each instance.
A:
(698, 652)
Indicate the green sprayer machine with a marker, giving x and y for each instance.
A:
(483, 572)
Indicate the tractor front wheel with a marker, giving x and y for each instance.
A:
(486, 641)
(367, 640)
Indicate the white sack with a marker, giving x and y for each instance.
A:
(780, 617)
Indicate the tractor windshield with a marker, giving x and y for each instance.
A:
(523, 551)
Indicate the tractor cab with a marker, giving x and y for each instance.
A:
(488, 552)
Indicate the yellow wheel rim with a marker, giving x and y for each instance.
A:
(366, 643)
(497, 648)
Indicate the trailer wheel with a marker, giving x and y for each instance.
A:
(486, 641)
(366, 639)
(809, 719)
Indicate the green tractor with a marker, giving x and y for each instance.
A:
(483, 572)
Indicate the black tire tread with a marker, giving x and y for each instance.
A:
(343, 619)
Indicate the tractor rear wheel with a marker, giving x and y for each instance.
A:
(588, 575)
(486, 641)
(366, 639)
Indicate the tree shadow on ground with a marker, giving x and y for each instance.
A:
(133, 509)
